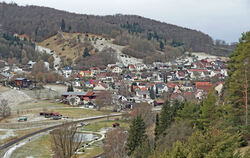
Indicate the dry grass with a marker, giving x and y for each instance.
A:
(79, 112)
(39, 148)
(41, 104)
(19, 133)
(63, 47)
(245, 149)
(3, 89)
(92, 152)
(97, 126)
(32, 108)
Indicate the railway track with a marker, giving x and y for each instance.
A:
(9, 144)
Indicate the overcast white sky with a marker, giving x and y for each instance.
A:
(221, 19)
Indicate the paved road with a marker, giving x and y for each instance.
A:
(18, 140)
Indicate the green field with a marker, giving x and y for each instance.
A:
(97, 126)
(79, 112)
(90, 153)
(40, 148)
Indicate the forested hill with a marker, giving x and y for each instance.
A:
(42, 22)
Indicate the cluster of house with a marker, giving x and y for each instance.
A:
(184, 79)
(7, 71)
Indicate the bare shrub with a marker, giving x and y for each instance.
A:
(5, 110)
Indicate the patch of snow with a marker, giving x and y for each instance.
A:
(9, 133)
(14, 147)
(11, 150)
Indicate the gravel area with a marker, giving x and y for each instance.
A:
(14, 97)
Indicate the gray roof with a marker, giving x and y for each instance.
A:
(20, 79)
(74, 93)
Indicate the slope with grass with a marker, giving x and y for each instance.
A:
(70, 47)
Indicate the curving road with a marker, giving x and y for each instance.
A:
(18, 140)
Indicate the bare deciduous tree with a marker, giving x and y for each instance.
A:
(145, 110)
(124, 90)
(114, 145)
(65, 141)
(5, 110)
(104, 99)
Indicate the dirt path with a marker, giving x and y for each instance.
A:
(125, 59)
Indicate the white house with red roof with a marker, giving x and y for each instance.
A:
(100, 87)
(200, 72)
(131, 68)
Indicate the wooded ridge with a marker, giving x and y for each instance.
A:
(41, 23)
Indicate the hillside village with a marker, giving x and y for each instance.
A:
(121, 86)
(129, 81)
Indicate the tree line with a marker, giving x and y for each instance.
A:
(216, 127)
(41, 23)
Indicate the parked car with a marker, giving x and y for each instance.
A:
(22, 119)
(57, 117)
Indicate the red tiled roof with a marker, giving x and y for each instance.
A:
(134, 87)
(131, 66)
(86, 98)
(95, 82)
(87, 72)
(171, 85)
(205, 86)
(160, 101)
(217, 83)
(197, 70)
(89, 94)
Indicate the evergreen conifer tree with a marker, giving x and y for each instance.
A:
(165, 117)
(157, 125)
(161, 45)
(70, 88)
(152, 93)
(63, 25)
(136, 134)
(86, 52)
(156, 90)
(208, 111)
(237, 98)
